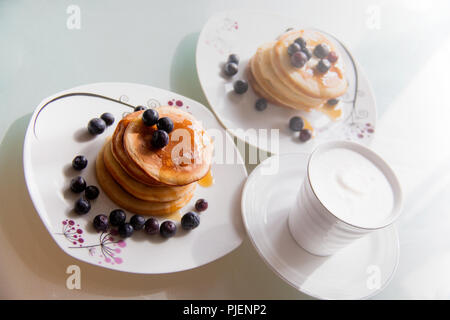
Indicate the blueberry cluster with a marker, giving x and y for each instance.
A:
(160, 137)
(300, 55)
(299, 52)
(151, 226)
(297, 124)
(230, 68)
(97, 126)
(78, 185)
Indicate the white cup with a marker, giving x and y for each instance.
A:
(322, 232)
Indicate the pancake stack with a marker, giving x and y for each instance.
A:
(274, 77)
(149, 181)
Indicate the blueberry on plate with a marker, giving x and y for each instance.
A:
(299, 59)
(96, 126)
(137, 221)
(261, 104)
(323, 66)
(165, 124)
(150, 117)
(296, 124)
(91, 192)
(240, 86)
(139, 108)
(125, 230)
(108, 118)
(117, 217)
(333, 102)
(101, 222)
(160, 139)
(230, 69)
(190, 221)
(78, 184)
(293, 48)
(321, 50)
(301, 42)
(201, 205)
(82, 206)
(305, 135)
(79, 163)
(233, 58)
(151, 226)
(168, 229)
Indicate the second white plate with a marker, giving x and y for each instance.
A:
(242, 33)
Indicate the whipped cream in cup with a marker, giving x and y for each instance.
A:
(348, 191)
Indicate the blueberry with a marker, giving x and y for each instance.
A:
(307, 52)
(321, 51)
(96, 126)
(151, 226)
(293, 48)
(139, 108)
(201, 205)
(305, 135)
(79, 162)
(108, 118)
(333, 102)
(261, 104)
(190, 221)
(91, 192)
(296, 123)
(323, 66)
(78, 184)
(233, 58)
(332, 57)
(168, 229)
(230, 69)
(125, 230)
(137, 222)
(150, 117)
(117, 217)
(240, 86)
(301, 42)
(101, 222)
(298, 59)
(82, 206)
(165, 124)
(160, 139)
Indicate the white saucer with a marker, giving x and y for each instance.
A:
(242, 33)
(57, 133)
(358, 271)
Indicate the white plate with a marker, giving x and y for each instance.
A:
(242, 33)
(57, 133)
(358, 271)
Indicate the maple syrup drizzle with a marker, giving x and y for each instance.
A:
(207, 181)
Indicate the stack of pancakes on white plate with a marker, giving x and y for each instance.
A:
(275, 78)
(150, 181)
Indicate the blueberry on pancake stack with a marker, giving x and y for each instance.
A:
(301, 70)
(153, 160)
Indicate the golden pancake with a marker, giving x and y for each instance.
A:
(306, 79)
(187, 157)
(126, 201)
(264, 75)
(122, 157)
(140, 190)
